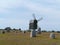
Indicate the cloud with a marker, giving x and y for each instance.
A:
(18, 11)
(9, 4)
(39, 8)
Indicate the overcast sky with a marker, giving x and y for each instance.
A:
(18, 13)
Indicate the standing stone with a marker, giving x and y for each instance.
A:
(33, 33)
(52, 35)
(3, 32)
(39, 31)
(24, 31)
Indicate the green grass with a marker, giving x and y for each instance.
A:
(19, 38)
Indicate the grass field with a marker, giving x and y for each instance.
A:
(20, 38)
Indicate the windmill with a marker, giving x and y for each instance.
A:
(33, 26)
(33, 23)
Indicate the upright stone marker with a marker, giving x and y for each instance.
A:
(52, 35)
(39, 31)
(33, 33)
(3, 32)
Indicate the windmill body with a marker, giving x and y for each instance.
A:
(33, 26)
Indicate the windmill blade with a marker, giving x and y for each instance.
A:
(34, 16)
(40, 19)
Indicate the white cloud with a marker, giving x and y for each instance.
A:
(28, 4)
(49, 10)
(39, 8)
(10, 3)
(7, 4)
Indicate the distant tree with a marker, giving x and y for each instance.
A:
(8, 29)
(49, 31)
(20, 30)
(14, 29)
(44, 31)
(52, 31)
(58, 31)
(1, 29)
(28, 30)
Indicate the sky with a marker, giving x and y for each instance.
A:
(18, 13)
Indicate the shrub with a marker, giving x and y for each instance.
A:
(3, 32)
(52, 31)
(44, 31)
(8, 29)
(58, 31)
